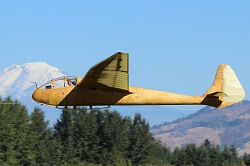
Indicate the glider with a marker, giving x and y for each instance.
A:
(107, 83)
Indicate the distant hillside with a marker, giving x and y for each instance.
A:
(230, 125)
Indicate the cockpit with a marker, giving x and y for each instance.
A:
(61, 82)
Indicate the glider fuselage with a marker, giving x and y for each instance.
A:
(77, 96)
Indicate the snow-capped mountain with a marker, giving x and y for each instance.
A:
(16, 80)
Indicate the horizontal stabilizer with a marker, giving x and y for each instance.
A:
(218, 94)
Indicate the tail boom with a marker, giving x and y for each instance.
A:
(141, 96)
(226, 90)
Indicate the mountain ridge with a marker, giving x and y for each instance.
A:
(221, 126)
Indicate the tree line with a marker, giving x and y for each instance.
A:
(95, 137)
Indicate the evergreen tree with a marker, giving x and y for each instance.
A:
(15, 145)
(176, 158)
(234, 155)
(246, 158)
(81, 134)
(140, 139)
(207, 143)
(85, 135)
(203, 156)
(64, 136)
(114, 134)
(192, 154)
(40, 137)
(215, 155)
(226, 155)
(159, 154)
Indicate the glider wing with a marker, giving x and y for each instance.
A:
(110, 74)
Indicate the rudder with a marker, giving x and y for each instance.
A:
(226, 89)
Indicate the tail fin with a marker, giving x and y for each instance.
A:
(226, 89)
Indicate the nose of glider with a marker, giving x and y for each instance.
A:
(37, 95)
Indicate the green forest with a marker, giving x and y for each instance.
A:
(95, 137)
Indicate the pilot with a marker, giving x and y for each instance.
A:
(70, 82)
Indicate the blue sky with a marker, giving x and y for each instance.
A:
(174, 46)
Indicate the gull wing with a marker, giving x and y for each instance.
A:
(110, 74)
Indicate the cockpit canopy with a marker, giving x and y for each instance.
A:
(61, 82)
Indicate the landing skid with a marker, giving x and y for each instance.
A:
(84, 108)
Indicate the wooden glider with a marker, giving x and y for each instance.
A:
(107, 84)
